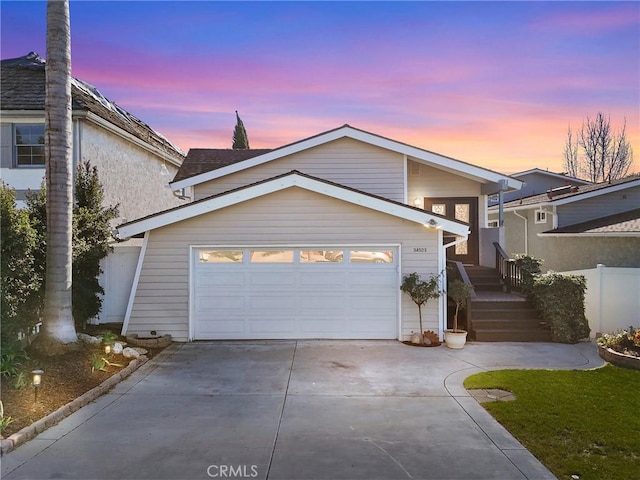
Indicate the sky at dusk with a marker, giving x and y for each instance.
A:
(495, 84)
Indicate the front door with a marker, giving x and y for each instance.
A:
(462, 209)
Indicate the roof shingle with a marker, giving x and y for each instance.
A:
(23, 88)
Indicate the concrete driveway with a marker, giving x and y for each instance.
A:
(297, 410)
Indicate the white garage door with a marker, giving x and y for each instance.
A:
(331, 292)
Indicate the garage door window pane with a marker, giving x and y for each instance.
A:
(319, 256)
(221, 256)
(271, 256)
(370, 256)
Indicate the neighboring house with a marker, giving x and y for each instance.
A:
(309, 240)
(135, 163)
(576, 227)
(536, 181)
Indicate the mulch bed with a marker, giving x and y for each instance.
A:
(65, 378)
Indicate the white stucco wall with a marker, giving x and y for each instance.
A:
(131, 176)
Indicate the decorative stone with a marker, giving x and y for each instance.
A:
(140, 350)
(88, 339)
(130, 353)
(117, 348)
(149, 342)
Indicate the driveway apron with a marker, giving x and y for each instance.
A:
(296, 410)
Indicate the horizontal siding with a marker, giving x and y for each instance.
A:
(433, 182)
(345, 161)
(596, 207)
(290, 217)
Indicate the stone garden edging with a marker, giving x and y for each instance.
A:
(619, 359)
(39, 426)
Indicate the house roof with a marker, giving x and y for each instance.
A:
(202, 160)
(23, 89)
(619, 224)
(562, 176)
(571, 193)
(221, 167)
(290, 179)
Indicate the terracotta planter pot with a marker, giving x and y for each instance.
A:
(455, 339)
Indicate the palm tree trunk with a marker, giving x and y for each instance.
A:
(58, 332)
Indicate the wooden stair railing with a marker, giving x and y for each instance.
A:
(509, 271)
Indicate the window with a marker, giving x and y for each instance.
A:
(29, 142)
(439, 209)
(221, 256)
(271, 256)
(370, 256)
(541, 216)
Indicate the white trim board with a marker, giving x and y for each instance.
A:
(134, 286)
(434, 159)
(293, 179)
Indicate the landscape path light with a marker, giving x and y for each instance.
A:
(36, 380)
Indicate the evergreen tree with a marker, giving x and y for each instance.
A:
(19, 278)
(91, 236)
(240, 139)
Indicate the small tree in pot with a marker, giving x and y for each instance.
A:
(459, 292)
(420, 292)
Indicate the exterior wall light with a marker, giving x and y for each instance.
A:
(417, 202)
(432, 224)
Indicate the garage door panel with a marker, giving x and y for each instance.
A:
(310, 302)
(219, 279)
(318, 278)
(272, 279)
(367, 278)
(218, 303)
(272, 325)
(220, 326)
(300, 299)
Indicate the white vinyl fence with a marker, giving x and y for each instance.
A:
(612, 299)
(119, 269)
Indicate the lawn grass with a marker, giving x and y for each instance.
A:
(576, 422)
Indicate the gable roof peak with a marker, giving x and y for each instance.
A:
(30, 60)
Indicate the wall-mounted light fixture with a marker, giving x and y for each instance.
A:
(417, 202)
(432, 224)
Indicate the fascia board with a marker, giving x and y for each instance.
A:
(596, 193)
(435, 159)
(591, 235)
(98, 120)
(266, 188)
(450, 164)
(574, 198)
(255, 161)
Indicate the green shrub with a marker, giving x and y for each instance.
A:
(530, 268)
(20, 278)
(560, 301)
(91, 236)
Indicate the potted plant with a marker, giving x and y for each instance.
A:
(459, 292)
(420, 292)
